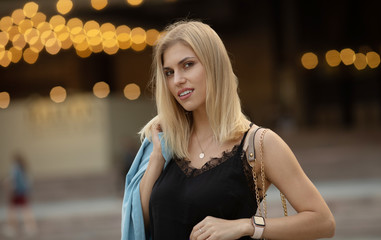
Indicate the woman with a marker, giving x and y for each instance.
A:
(18, 187)
(205, 191)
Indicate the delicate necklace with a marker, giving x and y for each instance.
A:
(202, 154)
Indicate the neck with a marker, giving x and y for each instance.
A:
(201, 125)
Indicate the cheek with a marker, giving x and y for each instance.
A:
(171, 89)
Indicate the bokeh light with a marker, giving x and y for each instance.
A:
(348, 56)
(333, 58)
(4, 100)
(373, 59)
(152, 36)
(18, 16)
(101, 89)
(30, 9)
(5, 57)
(309, 60)
(99, 4)
(58, 94)
(134, 2)
(5, 23)
(131, 91)
(64, 6)
(360, 61)
(30, 56)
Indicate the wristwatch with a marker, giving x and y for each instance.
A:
(259, 225)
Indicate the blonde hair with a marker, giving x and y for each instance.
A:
(223, 105)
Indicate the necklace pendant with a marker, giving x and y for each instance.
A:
(202, 155)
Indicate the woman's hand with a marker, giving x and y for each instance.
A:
(155, 129)
(212, 228)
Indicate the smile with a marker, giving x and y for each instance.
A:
(185, 93)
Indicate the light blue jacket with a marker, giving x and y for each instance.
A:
(132, 214)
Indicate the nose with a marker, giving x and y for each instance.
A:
(179, 78)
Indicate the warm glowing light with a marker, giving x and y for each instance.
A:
(309, 60)
(132, 91)
(138, 47)
(81, 46)
(360, 61)
(84, 54)
(44, 28)
(101, 89)
(96, 48)
(18, 16)
(123, 37)
(75, 25)
(5, 58)
(58, 94)
(99, 4)
(4, 100)
(37, 46)
(95, 41)
(19, 41)
(108, 31)
(38, 18)
(13, 31)
(16, 54)
(110, 46)
(30, 56)
(134, 2)
(4, 38)
(373, 59)
(78, 38)
(47, 35)
(25, 25)
(53, 46)
(152, 36)
(63, 34)
(6, 23)
(138, 35)
(64, 6)
(91, 28)
(31, 36)
(57, 22)
(67, 43)
(30, 9)
(348, 56)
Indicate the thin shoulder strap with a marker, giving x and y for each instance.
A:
(250, 153)
(244, 136)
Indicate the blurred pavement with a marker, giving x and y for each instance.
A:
(345, 167)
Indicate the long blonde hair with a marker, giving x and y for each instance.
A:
(223, 105)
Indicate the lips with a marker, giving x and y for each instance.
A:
(185, 93)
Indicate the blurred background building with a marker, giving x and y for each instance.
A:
(74, 93)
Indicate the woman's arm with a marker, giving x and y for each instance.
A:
(153, 171)
(313, 219)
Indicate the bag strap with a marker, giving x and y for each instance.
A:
(251, 158)
(250, 153)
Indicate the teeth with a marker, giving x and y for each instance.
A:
(185, 92)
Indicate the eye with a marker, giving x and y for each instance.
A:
(188, 64)
(168, 73)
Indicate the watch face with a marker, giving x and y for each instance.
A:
(260, 221)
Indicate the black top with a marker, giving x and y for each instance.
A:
(183, 196)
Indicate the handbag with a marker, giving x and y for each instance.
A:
(254, 164)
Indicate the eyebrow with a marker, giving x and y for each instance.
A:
(180, 62)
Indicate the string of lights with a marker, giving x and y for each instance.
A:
(346, 56)
(26, 32)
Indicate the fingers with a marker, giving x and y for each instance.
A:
(199, 234)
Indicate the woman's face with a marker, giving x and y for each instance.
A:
(185, 76)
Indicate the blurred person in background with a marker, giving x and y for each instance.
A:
(18, 189)
(191, 179)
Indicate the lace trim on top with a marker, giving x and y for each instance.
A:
(190, 171)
